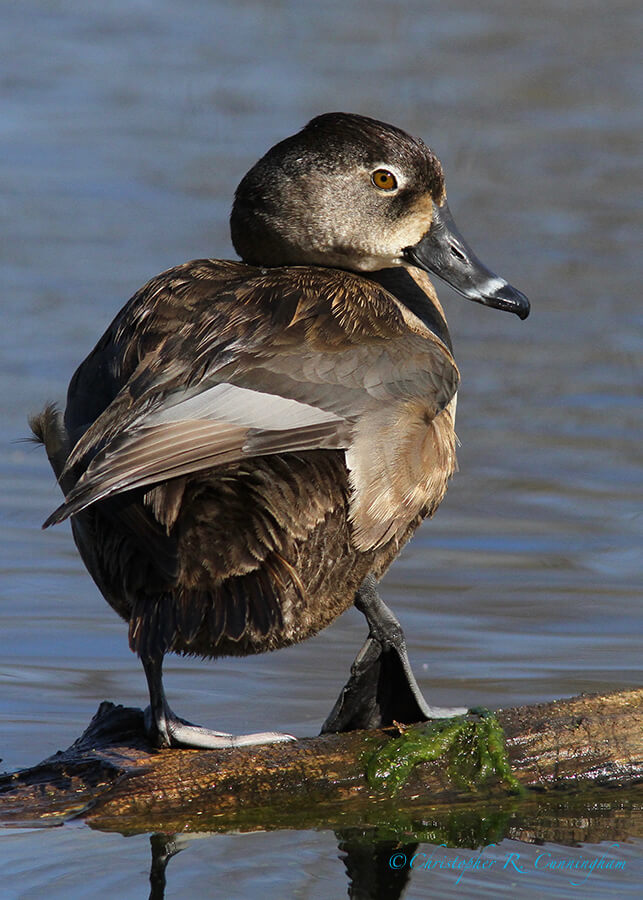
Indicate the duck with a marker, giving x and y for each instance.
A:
(251, 442)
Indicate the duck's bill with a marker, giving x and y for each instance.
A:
(444, 251)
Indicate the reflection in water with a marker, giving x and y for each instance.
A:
(371, 876)
(383, 869)
(367, 860)
(164, 847)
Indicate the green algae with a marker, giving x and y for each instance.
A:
(474, 751)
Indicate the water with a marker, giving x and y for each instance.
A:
(307, 866)
(124, 130)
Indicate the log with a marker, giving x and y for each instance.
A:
(389, 780)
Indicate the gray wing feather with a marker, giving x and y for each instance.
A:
(167, 445)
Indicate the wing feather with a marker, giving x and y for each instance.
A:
(216, 362)
(161, 450)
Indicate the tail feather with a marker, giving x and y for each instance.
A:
(48, 429)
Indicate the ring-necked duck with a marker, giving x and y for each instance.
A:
(250, 444)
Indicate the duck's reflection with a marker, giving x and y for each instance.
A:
(457, 855)
(367, 861)
(164, 847)
(368, 865)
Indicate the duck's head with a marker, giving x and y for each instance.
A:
(354, 193)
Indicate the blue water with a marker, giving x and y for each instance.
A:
(124, 129)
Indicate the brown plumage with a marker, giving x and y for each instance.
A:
(246, 444)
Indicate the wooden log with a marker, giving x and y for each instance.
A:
(114, 779)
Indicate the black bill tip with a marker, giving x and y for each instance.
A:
(509, 298)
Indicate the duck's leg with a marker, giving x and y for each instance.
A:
(382, 688)
(166, 729)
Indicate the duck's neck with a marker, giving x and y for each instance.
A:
(405, 288)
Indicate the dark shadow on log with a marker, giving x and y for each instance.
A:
(562, 751)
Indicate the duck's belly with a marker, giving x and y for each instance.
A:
(263, 556)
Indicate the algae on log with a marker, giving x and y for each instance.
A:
(114, 779)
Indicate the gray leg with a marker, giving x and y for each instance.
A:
(166, 729)
(382, 688)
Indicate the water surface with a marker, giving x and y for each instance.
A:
(124, 130)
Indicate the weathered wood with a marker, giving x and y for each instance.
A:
(114, 779)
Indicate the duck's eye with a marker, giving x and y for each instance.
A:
(384, 180)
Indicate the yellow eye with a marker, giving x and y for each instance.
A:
(384, 180)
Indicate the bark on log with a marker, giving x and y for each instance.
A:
(114, 779)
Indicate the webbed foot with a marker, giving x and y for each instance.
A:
(382, 688)
(166, 729)
(169, 730)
